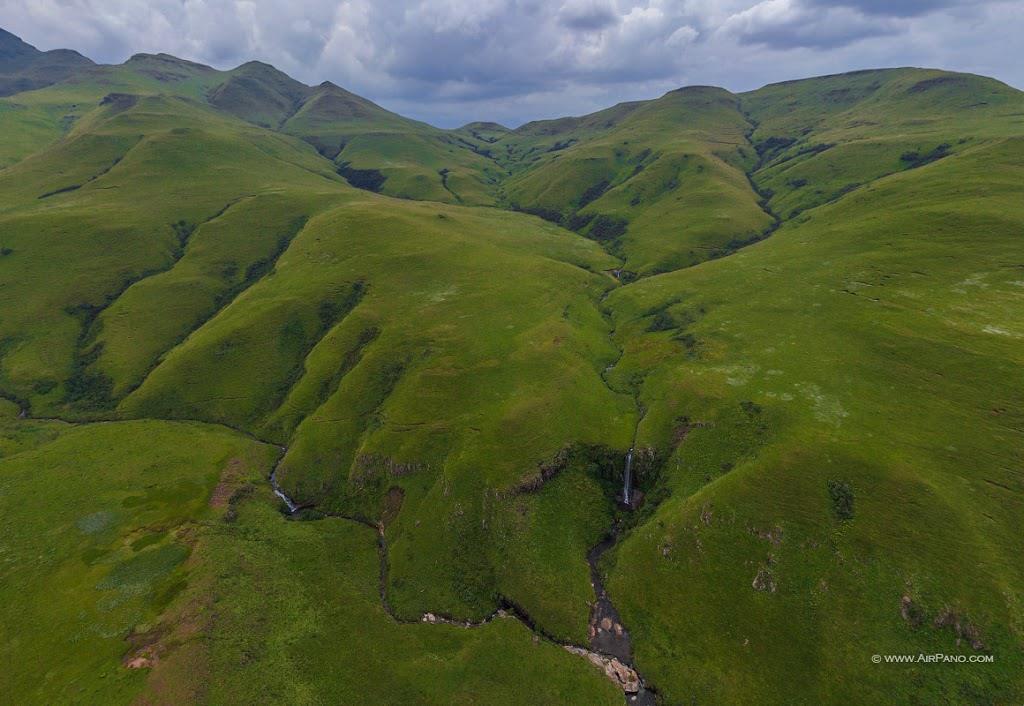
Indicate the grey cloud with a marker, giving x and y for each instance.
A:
(830, 24)
(588, 15)
(514, 60)
(785, 24)
(484, 46)
(891, 8)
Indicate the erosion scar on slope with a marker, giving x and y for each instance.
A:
(617, 664)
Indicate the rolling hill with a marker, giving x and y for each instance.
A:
(797, 309)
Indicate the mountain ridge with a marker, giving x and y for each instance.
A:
(20, 47)
(24, 68)
(793, 314)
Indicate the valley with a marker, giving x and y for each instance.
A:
(304, 401)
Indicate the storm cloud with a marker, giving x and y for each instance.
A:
(451, 61)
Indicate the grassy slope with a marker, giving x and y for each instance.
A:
(96, 213)
(847, 130)
(873, 342)
(82, 345)
(672, 171)
(97, 528)
(298, 620)
(420, 360)
(437, 304)
(36, 119)
(132, 539)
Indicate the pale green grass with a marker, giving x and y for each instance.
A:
(95, 523)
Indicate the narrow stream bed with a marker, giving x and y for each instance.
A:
(610, 646)
(608, 636)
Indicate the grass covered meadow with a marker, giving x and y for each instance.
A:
(801, 305)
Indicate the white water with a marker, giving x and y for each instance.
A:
(627, 480)
(292, 507)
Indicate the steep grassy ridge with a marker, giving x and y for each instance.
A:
(380, 151)
(827, 421)
(372, 147)
(852, 428)
(662, 184)
(260, 94)
(387, 324)
(141, 175)
(24, 68)
(223, 257)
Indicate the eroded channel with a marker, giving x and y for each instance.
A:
(610, 648)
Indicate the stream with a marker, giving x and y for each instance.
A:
(292, 507)
(610, 648)
(608, 636)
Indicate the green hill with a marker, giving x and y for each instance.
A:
(260, 94)
(851, 432)
(663, 184)
(800, 306)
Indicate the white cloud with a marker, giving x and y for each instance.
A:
(788, 24)
(454, 60)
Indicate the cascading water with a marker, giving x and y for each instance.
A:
(292, 507)
(627, 480)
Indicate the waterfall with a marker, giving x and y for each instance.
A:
(292, 507)
(627, 479)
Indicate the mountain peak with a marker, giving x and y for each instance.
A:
(259, 93)
(14, 47)
(485, 125)
(167, 60)
(24, 68)
(258, 67)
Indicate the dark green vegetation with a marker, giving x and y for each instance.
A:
(208, 275)
(23, 67)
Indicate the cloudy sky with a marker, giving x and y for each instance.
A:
(451, 61)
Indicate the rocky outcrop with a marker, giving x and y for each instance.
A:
(764, 581)
(545, 472)
(961, 626)
(623, 675)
